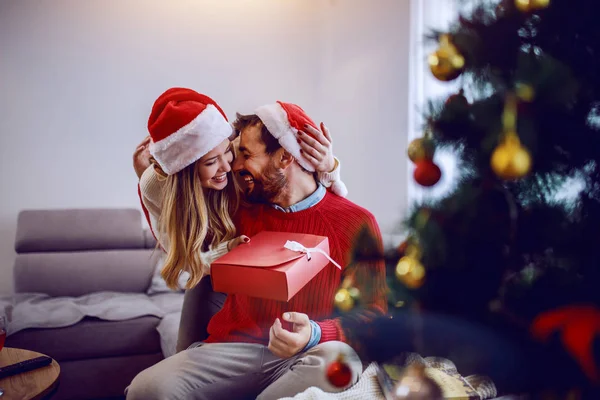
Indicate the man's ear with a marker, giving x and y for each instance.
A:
(283, 158)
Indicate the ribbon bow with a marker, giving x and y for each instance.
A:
(295, 246)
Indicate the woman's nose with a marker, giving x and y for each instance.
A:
(225, 166)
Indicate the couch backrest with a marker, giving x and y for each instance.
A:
(77, 230)
(79, 251)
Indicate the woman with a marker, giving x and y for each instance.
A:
(190, 195)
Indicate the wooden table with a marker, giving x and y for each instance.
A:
(34, 384)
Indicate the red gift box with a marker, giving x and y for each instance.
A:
(274, 265)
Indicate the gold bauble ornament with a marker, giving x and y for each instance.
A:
(421, 149)
(343, 300)
(510, 160)
(414, 384)
(410, 272)
(446, 63)
(354, 293)
(531, 5)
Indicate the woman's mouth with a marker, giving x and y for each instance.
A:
(220, 178)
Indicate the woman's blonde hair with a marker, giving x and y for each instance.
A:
(192, 219)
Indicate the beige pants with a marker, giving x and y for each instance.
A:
(218, 371)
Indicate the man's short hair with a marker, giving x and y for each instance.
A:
(246, 121)
(272, 145)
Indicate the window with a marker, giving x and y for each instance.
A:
(427, 15)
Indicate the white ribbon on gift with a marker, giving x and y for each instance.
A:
(295, 246)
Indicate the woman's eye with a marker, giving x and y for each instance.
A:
(210, 163)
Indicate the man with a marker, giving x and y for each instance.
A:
(250, 352)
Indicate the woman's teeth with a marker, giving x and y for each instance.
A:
(220, 178)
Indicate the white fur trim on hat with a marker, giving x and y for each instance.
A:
(192, 141)
(276, 120)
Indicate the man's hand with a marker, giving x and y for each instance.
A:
(284, 343)
(141, 157)
(317, 147)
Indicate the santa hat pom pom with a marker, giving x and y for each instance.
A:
(338, 187)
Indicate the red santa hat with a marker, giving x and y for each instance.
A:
(184, 126)
(283, 121)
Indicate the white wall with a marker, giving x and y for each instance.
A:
(77, 80)
(363, 91)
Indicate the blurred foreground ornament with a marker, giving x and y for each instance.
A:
(347, 296)
(510, 160)
(446, 63)
(414, 384)
(531, 5)
(410, 272)
(343, 300)
(579, 326)
(339, 373)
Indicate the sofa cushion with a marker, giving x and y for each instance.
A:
(79, 229)
(78, 273)
(92, 338)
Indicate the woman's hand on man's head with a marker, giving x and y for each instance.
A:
(317, 146)
(141, 156)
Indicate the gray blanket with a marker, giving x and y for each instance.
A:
(34, 310)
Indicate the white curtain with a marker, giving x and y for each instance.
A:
(427, 15)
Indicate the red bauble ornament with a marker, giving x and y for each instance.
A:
(339, 373)
(458, 101)
(427, 173)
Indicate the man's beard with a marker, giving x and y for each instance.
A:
(271, 185)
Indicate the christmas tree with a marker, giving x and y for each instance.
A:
(500, 275)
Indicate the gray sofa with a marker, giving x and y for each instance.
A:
(73, 253)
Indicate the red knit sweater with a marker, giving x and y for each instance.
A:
(248, 319)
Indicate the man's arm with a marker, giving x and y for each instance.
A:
(367, 274)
